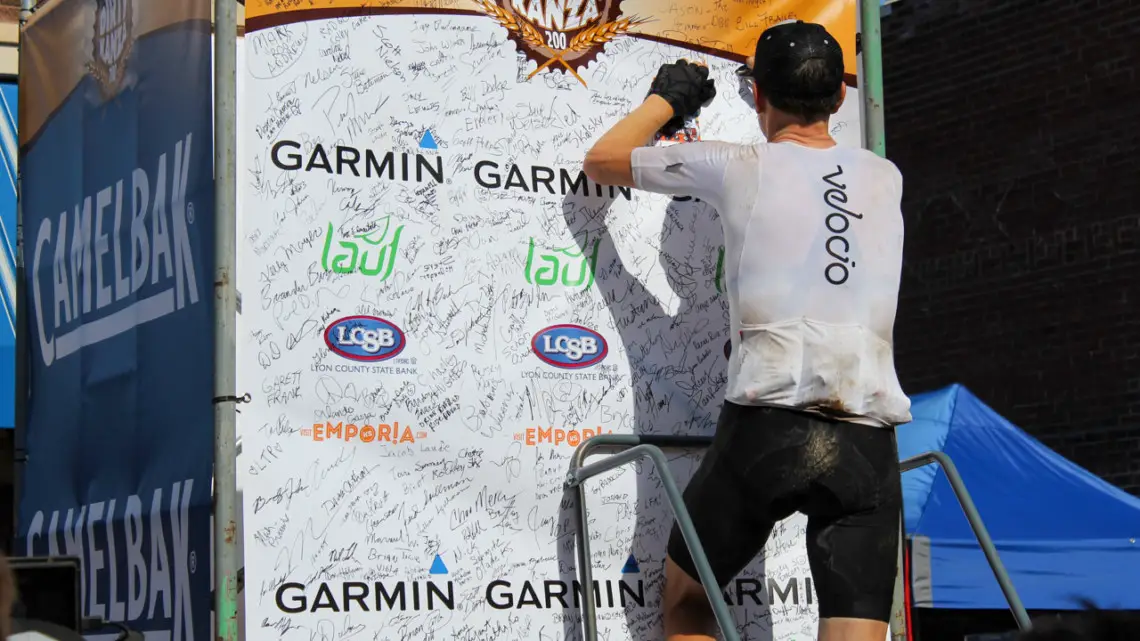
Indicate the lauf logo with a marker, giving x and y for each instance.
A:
(569, 346)
(113, 43)
(570, 33)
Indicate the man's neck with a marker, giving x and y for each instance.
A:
(815, 135)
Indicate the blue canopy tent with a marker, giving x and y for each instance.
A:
(1062, 533)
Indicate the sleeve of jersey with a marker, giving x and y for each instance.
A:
(685, 169)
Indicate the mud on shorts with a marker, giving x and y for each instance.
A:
(766, 463)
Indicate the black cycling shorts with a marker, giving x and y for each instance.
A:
(767, 463)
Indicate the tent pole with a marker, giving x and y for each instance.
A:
(226, 559)
(874, 139)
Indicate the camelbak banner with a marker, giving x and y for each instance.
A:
(439, 305)
(116, 161)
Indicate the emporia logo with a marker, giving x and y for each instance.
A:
(379, 596)
(568, 32)
(569, 346)
(365, 338)
(534, 436)
(349, 432)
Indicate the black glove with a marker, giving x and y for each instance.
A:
(685, 86)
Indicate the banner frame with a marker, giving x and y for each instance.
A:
(869, 38)
(225, 558)
(226, 561)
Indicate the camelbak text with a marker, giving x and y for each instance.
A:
(106, 280)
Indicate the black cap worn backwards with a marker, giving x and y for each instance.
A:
(781, 54)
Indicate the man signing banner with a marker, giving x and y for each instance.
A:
(813, 255)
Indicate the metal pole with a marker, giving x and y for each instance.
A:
(871, 82)
(898, 602)
(688, 531)
(980, 532)
(585, 570)
(874, 139)
(226, 561)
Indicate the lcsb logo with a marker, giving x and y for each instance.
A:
(365, 338)
(569, 346)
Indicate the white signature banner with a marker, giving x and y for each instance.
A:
(438, 307)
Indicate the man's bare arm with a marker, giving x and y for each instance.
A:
(608, 161)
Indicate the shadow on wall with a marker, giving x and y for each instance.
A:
(677, 361)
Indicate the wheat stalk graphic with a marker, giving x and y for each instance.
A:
(590, 37)
(513, 23)
(602, 33)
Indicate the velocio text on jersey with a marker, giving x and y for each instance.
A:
(537, 179)
(838, 221)
(290, 155)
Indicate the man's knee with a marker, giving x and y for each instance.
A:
(688, 613)
(682, 590)
(849, 629)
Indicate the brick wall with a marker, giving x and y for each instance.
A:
(1015, 124)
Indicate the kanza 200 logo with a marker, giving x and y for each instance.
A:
(365, 338)
(569, 346)
(567, 32)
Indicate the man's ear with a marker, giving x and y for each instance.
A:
(758, 98)
(842, 97)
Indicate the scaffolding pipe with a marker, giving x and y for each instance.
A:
(582, 531)
(226, 559)
(980, 532)
(870, 52)
(871, 82)
(580, 471)
(578, 475)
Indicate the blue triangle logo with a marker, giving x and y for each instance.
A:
(428, 142)
(631, 566)
(437, 566)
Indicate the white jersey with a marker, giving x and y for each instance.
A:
(813, 257)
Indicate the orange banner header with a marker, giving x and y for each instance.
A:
(563, 30)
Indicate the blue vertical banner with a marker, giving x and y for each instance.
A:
(9, 155)
(116, 154)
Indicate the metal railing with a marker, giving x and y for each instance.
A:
(976, 524)
(632, 448)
